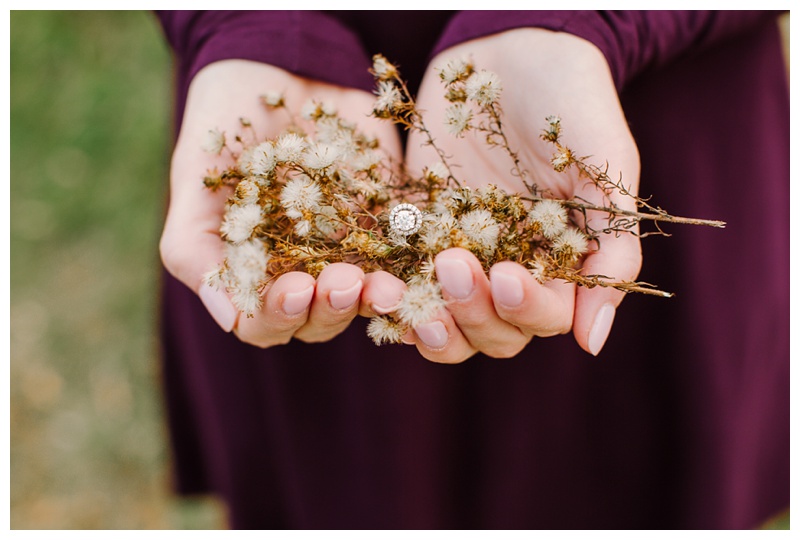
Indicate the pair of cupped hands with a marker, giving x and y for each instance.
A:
(543, 73)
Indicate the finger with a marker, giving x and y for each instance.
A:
(620, 257)
(441, 341)
(335, 303)
(537, 309)
(469, 300)
(190, 244)
(382, 294)
(284, 311)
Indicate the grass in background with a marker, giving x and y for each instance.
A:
(90, 138)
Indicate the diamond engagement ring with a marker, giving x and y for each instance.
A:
(405, 219)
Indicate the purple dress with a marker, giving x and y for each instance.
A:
(683, 420)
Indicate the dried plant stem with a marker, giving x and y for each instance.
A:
(496, 128)
(602, 281)
(418, 124)
(616, 211)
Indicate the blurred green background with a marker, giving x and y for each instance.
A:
(90, 139)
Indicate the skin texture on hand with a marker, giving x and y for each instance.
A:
(294, 305)
(543, 73)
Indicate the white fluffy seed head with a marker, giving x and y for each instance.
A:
(320, 156)
(273, 98)
(385, 330)
(483, 87)
(300, 194)
(247, 192)
(481, 228)
(248, 301)
(213, 141)
(290, 147)
(366, 160)
(420, 303)
(550, 217)
(382, 68)
(302, 228)
(437, 171)
(388, 99)
(258, 160)
(457, 118)
(571, 244)
(240, 221)
(434, 236)
(246, 264)
(455, 69)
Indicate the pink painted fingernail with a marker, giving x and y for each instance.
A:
(297, 302)
(507, 289)
(219, 306)
(433, 334)
(346, 298)
(386, 301)
(408, 338)
(455, 277)
(601, 328)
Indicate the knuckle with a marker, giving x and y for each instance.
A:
(467, 317)
(504, 349)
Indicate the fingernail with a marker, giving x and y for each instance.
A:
(219, 306)
(455, 277)
(408, 338)
(506, 289)
(432, 334)
(346, 298)
(386, 302)
(297, 302)
(601, 327)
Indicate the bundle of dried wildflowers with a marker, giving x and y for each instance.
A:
(306, 199)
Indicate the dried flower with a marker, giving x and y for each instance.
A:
(300, 194)
(570, 245)
(420, 303)
(457, 119)
(320, 156)
(550, 217)
(553, 132)
(247, 192)
(273, 99)
(436, 172)
(483, 87)
(385, 330)
(481, 228)
(240, 221)
(290, 147)
(258, 161)
(389, 98)
(563, 159)
(455, 70)
(302, 201)
(314, 110)
(214, 141)
(382, 68)
(538, 269)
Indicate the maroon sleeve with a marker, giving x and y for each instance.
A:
(632, 41)
(307, 43)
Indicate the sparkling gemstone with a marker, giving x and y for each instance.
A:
(405, 219)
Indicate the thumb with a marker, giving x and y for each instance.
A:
(190, 247)
(619, 258)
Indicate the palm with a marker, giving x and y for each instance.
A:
(295, 305)
(537, 83)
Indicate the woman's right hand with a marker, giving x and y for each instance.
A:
(294, 305)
